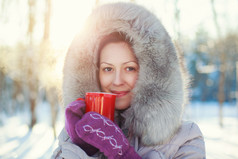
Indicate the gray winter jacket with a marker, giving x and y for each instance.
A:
(187, 143)
(156, 110)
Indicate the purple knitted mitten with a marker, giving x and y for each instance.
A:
(105, 135)
(73, 114)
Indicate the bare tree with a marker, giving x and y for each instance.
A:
(177, 20)
(177, 31)
(47, 20)
(52, 97)
(31, 76)
(237, 82)
(48, 61)
(97, 3)
(221, 88)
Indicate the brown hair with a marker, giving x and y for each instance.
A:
(114, 38)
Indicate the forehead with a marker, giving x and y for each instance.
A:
(119, 51)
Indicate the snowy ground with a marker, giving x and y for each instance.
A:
(17, 141)
(221, 143)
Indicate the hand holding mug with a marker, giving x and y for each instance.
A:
(105, 135)
(73, 114)
(103, 103)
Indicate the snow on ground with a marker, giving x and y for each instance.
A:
(221, 143)
(17, 141)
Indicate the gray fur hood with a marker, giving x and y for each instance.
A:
(160, 92)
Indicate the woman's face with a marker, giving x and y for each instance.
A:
(118, 72)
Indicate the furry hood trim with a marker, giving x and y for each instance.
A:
(160, 92)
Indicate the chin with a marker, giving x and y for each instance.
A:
(122, 103)
(122, 106)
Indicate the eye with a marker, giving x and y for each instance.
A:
(130, 69)
(107, 69)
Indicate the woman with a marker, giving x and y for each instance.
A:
(124, 49)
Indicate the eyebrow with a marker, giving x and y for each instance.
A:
(105, 63)
(123, 63)
(130, 61)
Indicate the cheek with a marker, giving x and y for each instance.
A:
(132, 80)
(104, 81)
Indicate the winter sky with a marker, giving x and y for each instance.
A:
(68, 17)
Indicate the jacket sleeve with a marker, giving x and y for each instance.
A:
(188, 143)
(68, 150)
(155, 154)
(194, 147)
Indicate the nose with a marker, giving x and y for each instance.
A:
(118, 78)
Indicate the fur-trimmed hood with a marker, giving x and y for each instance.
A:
(159, 94)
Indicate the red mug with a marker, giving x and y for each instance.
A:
(102, 103)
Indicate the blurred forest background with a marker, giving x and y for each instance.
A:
(35, 35)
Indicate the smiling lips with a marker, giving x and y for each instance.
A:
(120, 93)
